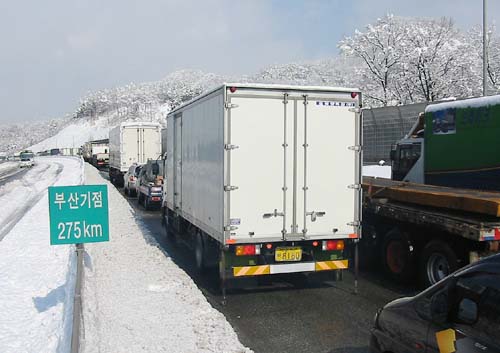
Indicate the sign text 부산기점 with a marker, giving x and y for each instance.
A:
(78, 214)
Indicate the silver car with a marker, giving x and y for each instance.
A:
(130, 180)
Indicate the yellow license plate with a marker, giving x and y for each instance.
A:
(288, 254)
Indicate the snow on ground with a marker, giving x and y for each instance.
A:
(82, 130)
(7, 166)
(377, 171)
(136, 299)
(75, 135)
(37, 280)
(7, 169)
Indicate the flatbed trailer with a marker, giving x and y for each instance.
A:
(431, 229)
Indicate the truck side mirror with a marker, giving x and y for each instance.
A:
(467, 312)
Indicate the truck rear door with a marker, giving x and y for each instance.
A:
(293, 166)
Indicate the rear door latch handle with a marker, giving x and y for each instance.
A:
(315, 214)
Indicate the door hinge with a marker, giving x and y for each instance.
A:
(355, 110)
(356, 148)
(230, 228)
(230, 188)
(354, 186)
(229, 147)
(230, 105)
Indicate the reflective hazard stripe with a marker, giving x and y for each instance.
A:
(332, 265)
(251, 270)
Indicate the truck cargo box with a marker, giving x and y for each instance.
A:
(133, 143)
(251, 163)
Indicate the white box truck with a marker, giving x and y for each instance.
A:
(265, 179)
(129, 143)
(90, 148)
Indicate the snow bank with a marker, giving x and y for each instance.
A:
(37, 280)
(377, 171)
(136, 299)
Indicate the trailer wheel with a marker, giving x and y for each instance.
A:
(397, 257)
(200, 253)
(438, 260)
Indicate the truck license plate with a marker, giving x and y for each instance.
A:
(288, 254)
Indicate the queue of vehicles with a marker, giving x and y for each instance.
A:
(242, 180)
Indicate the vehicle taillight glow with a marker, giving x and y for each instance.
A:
(354, 95)
(331, 245)
(232, 89)
(315, 243)
(269, 246)
(242, 250)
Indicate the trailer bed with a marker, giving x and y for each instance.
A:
(484, 203)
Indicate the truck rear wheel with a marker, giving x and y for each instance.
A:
(200, 253)
(397, 257)
(438, 260)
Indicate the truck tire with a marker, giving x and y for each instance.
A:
(147, 207)
(200, 253)
(397, 256)
(438, 260)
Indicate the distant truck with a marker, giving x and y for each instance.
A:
(265, 179)
(129, 143)
(91, 148)
(100, 160)
(429, 220)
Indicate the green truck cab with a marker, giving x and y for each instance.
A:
(454, 144)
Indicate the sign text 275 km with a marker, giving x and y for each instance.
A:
(78, 214)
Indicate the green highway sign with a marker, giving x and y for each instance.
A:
(78, 214)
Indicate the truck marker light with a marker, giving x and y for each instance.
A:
(232, 89)
(354, 95)
(315, 243)
(230, 241)
(269, 246)
(353, 236)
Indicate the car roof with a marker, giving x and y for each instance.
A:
(488, 264)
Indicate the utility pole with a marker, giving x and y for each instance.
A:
(485, 51)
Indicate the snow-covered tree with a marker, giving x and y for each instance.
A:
(381, 48)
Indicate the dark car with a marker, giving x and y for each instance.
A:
(459, 314)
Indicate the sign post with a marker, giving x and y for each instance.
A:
(78, 214)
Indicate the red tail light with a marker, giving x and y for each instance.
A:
(331, 245)
(354, 95)
(242, 250)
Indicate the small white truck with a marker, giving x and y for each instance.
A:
(265, 179)
(129, 143)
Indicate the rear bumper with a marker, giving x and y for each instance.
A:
(290, 268)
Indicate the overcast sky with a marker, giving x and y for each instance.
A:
(54, 51)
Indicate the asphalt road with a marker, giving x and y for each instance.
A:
(286, 313)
